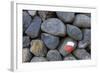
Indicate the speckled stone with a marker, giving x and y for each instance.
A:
(50, 41)
(26, 55)
(63, 43)
(34, 28)
(86, 39)
(54, 55)
(38, 48)
(54, 26)
(82, 54)
(82, 20)
(38, 59)
(74, 32)
(67, 17)
(26, 20)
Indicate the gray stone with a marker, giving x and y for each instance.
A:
(38, 59)
(86, 39)
(70, 57)
(38, 48)
(34, 28)
(26, 41)
(32, 12)
(46, 14)
(82, 20)
(26, 55)
(54, 55)
(50, 41)
(82, 54)
(54, 26)
(74, 32)
(67, 17)
(26, 20)
(63, 43)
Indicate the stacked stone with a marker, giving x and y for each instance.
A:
(56, 36)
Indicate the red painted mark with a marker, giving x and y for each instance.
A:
(68, 48)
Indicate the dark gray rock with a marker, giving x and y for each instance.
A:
(70, 57)
(34, 28)
(26, 41)
(67, 17)
(74, 32)
(26, 20)
(50, 41)
(54, 26)
(26, 55)
(86, 39)
(82, 54)
(38, 59)
(38, 48)
(63, 43)
(82, 20)
(54, 55)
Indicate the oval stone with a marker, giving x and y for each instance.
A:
(74, 32)
(50, 41)
(54, 26)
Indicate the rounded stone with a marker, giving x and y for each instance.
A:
(50, 41)
(54, 55)
(67, 17)
(82, 20)
(70, 57)
(74, 32)
(54, 26)
(82, 54)
(32, 12)
(26, 20)
(26, 41)
(34, 28)
(63, 43)
(86, 39)
(26, 55)
(38, 59)
(38, 48)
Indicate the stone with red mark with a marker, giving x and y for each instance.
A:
(67, 46)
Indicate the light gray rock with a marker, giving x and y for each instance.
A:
(82, 54)
(67, 17)
(82, 20)
(38, 59)
(50, 41)
(34, 28)
(26, 20)
(54, 55)
(54, 26)
(74, 32)
(38, 48)
(26, 55)
(86, 39)
(32, 12)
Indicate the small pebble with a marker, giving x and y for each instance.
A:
(82, 20)
(70, 57)
(32, 12)
(50, 41)
(38, 59)
(67, 17)
(54, 26)
(54, 55)
(38, 48)
(74, 32)
(26, 41)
